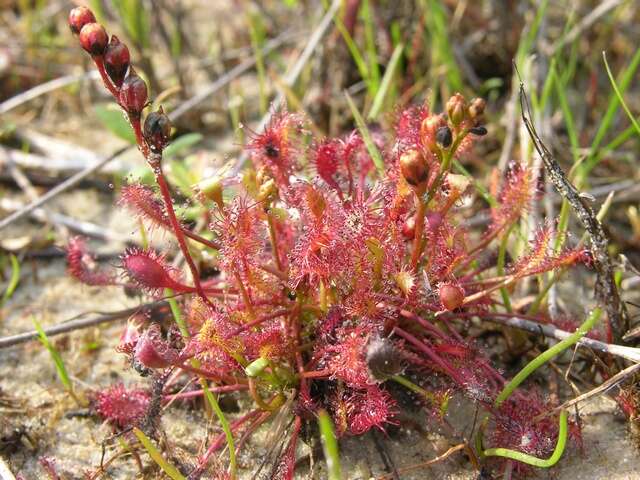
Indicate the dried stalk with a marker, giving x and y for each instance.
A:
(605, 289)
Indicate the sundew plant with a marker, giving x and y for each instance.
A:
(332, 275)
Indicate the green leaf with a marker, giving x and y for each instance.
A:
(366, 135)
(383, 91)
(181, 144)
(13, 281)
(157, 457)
(55, 356)
(329, 446)
(112, 117)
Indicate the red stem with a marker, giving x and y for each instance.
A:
(177, 229)
(448, 369)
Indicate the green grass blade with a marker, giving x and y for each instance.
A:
(370, 45)
(61, 370)
(619, 95)
(530, 459)
(366, 135)
(357, 56)
(157, 457)
(607, 120)
(385, 85)
(437, 26)
(547, 355)
(13, 280)
(329, 446)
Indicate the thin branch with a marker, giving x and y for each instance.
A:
(78, 324)
(632, 354)
(612, 382)
(605, 289)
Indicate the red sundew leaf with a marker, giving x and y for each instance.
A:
(82, 266)
(541, 257)
(369, 408)
(242, 235)
(153, 351)
(514, 198)
(142, 201)
(120, 406)
(277, 147)
(346, 359)
(327, 156)
(149, 271)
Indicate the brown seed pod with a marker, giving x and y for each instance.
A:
(94, 39)
(79, 17)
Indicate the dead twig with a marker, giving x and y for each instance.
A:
(612, 382)
(632, 354)
(439, 458)
(605, 289)
(78, 324)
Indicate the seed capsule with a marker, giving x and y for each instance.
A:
(409, 227)
(157, 130)
(79, 17)
(456, 107)
(133, 94)
(444, 137)
(116, 60)
(451, 296)
(476, 108)
(414, 168)
(94, 38)
(480, 131)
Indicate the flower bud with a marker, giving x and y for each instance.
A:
(451, 296)
(157, 130)
(476, 108)
(456, 107)
(133, 94)
(409, 227)
(428, 130)
(267, 190)
(414, 168)
(152, 351)
(212, 189)
(116, 60)
(94, 39)
(444, 137)
(79, 17)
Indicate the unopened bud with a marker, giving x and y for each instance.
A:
(456, 107)
(428, 130)
(94, 38)
(476, 108)
(79, 17)
(157, 130)
(409, 228)
(414, 168)
(212, 189)
(444, 137)
(267, 190)
(116, 60)
(451, 296)
(133, 94)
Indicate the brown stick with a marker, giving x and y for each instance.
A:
(605, 289)
(72, 325)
